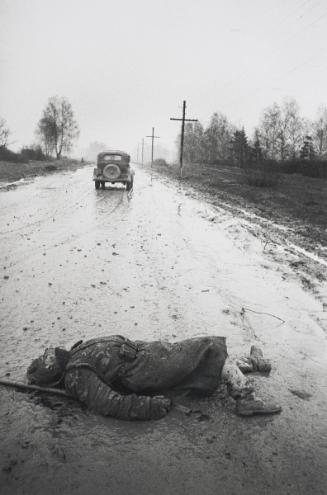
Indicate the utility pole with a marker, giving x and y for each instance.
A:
(142, 151)
(137, 154)
(183, 120)
(153, 137)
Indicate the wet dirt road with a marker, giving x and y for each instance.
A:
(78, 263)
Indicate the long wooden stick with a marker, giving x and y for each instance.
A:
(35, 388)
(57, 391)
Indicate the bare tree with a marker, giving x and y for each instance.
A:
(199, 144)
(307, 151)
(190, 145)
(57, 128)
(269, 130)
(255, 147)
(319, 132)
(292, 130)
(4, 133)
(194, 145)
(281, 130)
(218, 137)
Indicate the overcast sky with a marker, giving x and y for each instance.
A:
(127, 65)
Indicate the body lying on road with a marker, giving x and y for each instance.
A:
(129, 380)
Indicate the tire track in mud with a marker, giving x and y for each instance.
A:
(250, 219)
(263, 223)
(235, 306)
(59, 212)
(72, 237)
(306, 266)
(280, 253)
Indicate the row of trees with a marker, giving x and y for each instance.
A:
(282, 134)
(56, 130)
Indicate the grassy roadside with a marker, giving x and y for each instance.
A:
(11, 171)
(293, 201)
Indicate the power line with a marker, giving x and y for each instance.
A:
(300, 31)
(183, 120)
(153, 137)
(279, 48)
(278, 23)
(289, 71)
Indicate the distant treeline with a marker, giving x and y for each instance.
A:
(23, 155)
(311, 168)
(282, 142)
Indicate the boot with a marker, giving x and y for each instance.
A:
(258, 361)
(245, 364)
(250, 406)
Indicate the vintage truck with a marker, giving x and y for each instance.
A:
(113, 166)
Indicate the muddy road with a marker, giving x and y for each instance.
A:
(155, 264)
